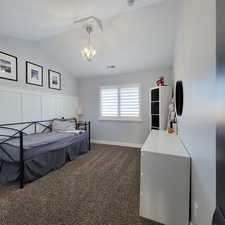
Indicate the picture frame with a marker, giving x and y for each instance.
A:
(8, 67)
(54, 80)
(34, 74)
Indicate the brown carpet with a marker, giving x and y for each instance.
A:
(101, 188)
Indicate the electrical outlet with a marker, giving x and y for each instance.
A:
(196, 209)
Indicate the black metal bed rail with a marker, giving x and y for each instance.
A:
(21, 161)
(22, 123)
(19, 133)
(87, 126)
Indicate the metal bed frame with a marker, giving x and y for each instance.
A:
(19, 133)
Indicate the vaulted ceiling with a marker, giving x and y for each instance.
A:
(133, 38)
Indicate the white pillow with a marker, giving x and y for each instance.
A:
(75, 131)
(60, 125)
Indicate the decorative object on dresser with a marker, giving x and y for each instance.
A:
(160, 81)
(8, 67)
(160, 98)
(172, 120)
(34, 74)
(54, 80)
(165, 179)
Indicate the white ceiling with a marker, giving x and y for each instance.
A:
(134, 39)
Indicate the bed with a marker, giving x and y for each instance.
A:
(26, 157)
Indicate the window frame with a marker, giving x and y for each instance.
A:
(121, 118)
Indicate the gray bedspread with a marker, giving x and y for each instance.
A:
(43, 153)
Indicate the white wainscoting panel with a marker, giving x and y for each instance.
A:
(19, 105)
(11, 106)
(69, 106)
(49, 107)
(60, 107)
(31, 107)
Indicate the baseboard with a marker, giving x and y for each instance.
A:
(117, 143)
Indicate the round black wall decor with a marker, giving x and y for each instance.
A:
(179, 97)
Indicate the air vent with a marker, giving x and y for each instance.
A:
(111, 67)
(130, 2)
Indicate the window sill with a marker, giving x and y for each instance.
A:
(120, 119)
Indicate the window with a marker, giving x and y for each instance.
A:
(120, 102)
(109, 102)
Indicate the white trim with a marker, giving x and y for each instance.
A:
(117, 143)
(20, 90)
(121, 86)
(116, 118)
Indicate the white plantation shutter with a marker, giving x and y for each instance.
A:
(121, 102)
(109, 102)
(129, 102)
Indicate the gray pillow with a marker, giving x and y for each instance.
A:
(60, 125)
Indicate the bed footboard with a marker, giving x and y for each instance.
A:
(85, 125)
(21, 161)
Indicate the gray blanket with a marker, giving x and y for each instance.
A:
(43, 153)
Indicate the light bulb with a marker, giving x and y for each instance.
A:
(88, 53)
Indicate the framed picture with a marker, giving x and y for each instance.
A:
(8, 67)
(54, 80)
(34, 74)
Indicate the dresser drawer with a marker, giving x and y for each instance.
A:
(164, 187)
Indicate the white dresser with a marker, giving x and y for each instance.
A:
(165, 179)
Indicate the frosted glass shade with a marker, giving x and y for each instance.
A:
(88, 53)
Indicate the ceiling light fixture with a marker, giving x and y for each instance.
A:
(89, 51)
(89, 20)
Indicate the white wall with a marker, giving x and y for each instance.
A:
(23, 102)
(31, 51)
(195, 65)
(133, 133)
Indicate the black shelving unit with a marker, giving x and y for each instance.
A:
(155, 102)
